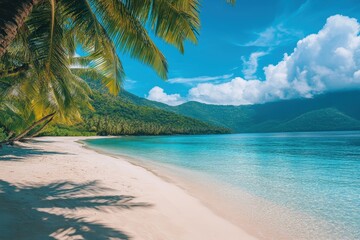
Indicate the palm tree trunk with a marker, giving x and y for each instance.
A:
(11, 133)
(40, 129)
(35, 124)
(13, 14)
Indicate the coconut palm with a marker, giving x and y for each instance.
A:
(98, 23)
(14, 13)
(54, 29)
(45, 46)
(35, 86)
(39, 38)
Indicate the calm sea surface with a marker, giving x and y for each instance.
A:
(314, 174)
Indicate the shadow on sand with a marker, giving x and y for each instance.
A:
(19, 153)
(23, 215)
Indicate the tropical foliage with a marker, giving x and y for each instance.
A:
(117, 116)
(41, 74)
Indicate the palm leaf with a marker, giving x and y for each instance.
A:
(174, 21)
(102, 53)
(128, 34)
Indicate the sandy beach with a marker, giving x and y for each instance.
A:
(53, 187)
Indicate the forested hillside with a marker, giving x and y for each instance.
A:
(119, 116)
(332, 111)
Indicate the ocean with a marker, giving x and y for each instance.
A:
(288, 185)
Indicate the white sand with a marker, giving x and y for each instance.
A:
(43, 193)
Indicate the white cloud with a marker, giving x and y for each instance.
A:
(274, 36)
(157, 94)
(195, 80)
(250, 65)
(236, 92)
(326, 61)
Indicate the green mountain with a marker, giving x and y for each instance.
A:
(119, 115)
(323, 119)
(327, 112)
(131, 115)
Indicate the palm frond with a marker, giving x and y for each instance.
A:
(174, 21)
(128, 34)
(101, 51)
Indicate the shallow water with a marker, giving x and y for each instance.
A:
(315, 174)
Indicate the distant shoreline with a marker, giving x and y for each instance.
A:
(200, 134)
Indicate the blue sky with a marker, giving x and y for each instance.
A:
(237, 42)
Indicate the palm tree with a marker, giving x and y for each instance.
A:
(39, 38)
(14, 13)
(54, 29)
(108, 22)
(45, 45)
(28, 103)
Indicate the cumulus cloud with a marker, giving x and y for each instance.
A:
(195, 80)
(157, 94)
(326, 61)
(236, 92)
(250, 66)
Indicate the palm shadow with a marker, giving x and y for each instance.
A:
(20, 153)
(24, 211)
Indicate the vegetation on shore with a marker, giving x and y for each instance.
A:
(41, 72)
(48, 48)
(114, 116)
(327, 112)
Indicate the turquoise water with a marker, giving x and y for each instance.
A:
(317, 174)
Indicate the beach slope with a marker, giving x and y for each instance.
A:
(53, 187)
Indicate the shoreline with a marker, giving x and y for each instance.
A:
(122, 199)
(255, 215)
